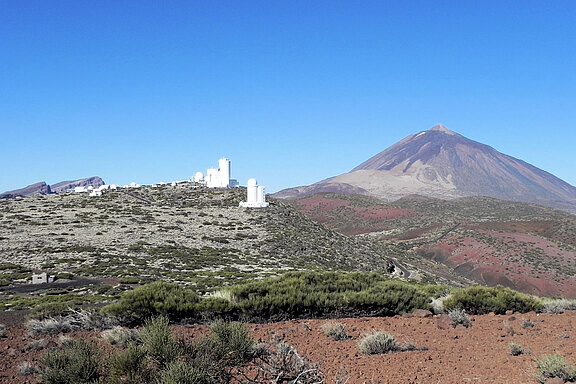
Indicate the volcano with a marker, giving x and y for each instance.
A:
(443, 164)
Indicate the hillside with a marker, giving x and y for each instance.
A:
(192, 235)
(523, 246)
(442, 164)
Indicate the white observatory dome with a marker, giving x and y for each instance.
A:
(252, 182)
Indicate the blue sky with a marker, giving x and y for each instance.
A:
(291, 91)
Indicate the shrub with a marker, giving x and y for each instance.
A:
(76, 364)
(2, 330)
(281, 363)
(120, 336)
(154, 299)
(50, 326)
(335, 330)
(378, 343)
(158, 341)
(515, 349)
(479, 300)
(130, 366)
(232, 341)
(182, 373)
(459, 317)
(558, 306)
(554, 365)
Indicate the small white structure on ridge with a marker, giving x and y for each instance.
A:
(255, 195)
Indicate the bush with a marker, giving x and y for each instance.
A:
(335, 330)
(2, 330)
(154, 299)
(158, 341)
(515, 349)
(322, 294)
(50, 326)
(377, 343)
(479, 300)
(554, 365)
(232, 341)
(182, 373)
(120, 336)
(459, 317)
(77, 364)
(558, 306)
(281, 363)
(130, 366)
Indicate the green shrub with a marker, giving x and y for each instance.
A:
(232, 341)
(321, 294)
(158, 342)
(183, 373)
(554, 365)
(130, 366)
(378, 343)
(77, 364)
(158, 298)
(479, 300)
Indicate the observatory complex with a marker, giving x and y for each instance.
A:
(217, 177)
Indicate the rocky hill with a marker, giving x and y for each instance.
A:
(68, 186)
(42, 188)
(443, 164)
(193, 235)
(491, 242)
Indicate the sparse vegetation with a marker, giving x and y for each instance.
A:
(335, 330)
(459, 317)
(554, 365)
(378, 343)
(516, 349)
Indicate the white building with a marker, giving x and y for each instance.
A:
(255, 195)
(42, 278)
(217, 177)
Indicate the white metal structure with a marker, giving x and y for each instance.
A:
(255, 195)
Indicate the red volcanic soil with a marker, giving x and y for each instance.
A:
(522, 261)
(348, 219)
(479, 354)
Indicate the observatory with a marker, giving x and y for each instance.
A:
(217, 177)
(255, 195)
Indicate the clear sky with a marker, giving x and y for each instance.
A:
(291, 91)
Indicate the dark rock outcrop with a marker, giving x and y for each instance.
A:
(68, 186)
(40, 188)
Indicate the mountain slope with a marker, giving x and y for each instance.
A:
(192, 235)
(68, 186)
(443, 164)
(40, 188)
(523, 246)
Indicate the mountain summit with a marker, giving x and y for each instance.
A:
(443, 164)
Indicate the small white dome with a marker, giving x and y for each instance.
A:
(252, 182)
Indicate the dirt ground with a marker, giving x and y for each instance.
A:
(479, 354)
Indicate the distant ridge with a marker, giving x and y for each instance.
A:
(41, 188)
(443, 164)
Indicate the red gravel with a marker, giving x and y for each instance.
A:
(479, 354)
